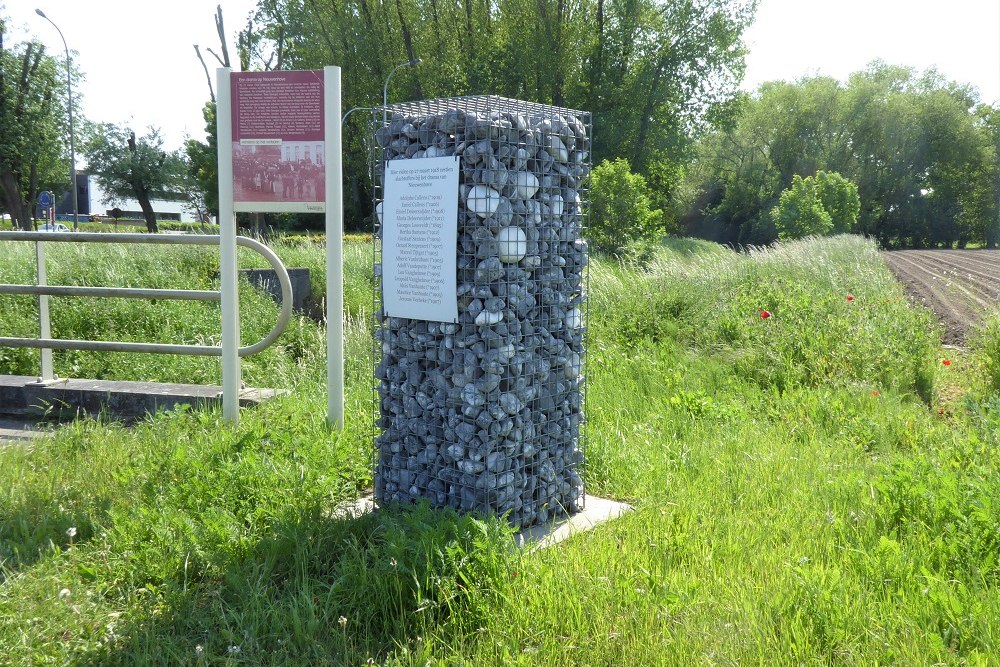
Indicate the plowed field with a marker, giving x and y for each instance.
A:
(958, 285)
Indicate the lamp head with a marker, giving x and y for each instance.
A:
(41, 13)
(415, 62)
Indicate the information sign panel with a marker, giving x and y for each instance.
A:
(420, 236)
(278, 141)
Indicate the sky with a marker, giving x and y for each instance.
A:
(137, 56)
(795, 38)
(141, 68)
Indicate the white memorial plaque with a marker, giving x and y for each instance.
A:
(419, 239)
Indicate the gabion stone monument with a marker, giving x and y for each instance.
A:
(482, 408)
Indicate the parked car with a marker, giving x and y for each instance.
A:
(53, 227)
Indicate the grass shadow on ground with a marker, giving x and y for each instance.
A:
(36, 527)
(325, 590)
(38, 520)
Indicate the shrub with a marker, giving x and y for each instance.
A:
(840, 200)
(817, 205)
(622, 218)
(799, 212)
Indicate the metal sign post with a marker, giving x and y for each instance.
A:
(334, 252)
(231, 373)
(280, 151)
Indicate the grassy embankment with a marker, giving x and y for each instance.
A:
(816, 486)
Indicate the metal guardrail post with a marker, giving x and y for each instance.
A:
(44, 328)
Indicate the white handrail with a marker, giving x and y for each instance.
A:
(44, 342)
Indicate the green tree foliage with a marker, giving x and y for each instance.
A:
(621, 215)
(31, 121)
(127, 167)
(800, 211)
(839, 199)
(652, 72)
(203, 162)
(922, 159)
(987, 191)
(826, 203)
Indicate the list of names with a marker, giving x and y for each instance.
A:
(420, 234)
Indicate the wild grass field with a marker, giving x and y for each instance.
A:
(815, 481)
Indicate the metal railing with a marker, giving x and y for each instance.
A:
(46, 343)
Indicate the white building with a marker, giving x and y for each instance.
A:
(92, 200)
(165, 209)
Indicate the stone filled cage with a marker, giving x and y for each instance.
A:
(487, 414)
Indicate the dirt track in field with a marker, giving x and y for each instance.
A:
(958, 285)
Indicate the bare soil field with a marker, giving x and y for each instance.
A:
(957, 285)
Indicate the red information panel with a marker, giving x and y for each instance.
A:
(278, 147)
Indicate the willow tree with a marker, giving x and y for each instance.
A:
(128, 167)
(922, 158)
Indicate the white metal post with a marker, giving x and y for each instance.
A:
(231, 376)
(44, 330)
(334, 249)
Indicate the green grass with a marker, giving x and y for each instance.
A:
(810, 488)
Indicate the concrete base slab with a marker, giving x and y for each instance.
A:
(66, 398)
(20, 431)
(596, 511)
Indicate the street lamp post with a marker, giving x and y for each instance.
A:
(69, 105)
(350, 111)
(385, 89)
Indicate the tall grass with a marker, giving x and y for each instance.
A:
(801, 492)
(803, 313)
(193, 322)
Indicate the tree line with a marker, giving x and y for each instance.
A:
(652, 73)
(660, 79)
(921, 151)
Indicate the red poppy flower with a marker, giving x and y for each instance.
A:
(764, 314)
(850, 298)
(946, 362)
(875, 392)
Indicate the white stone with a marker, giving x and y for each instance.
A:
(557, 148)
(574, 319)
(486, 317)
(482, 200)
(513, 244)
(527, 184)
(556, 205)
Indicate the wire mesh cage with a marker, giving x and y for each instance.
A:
(486, 413)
